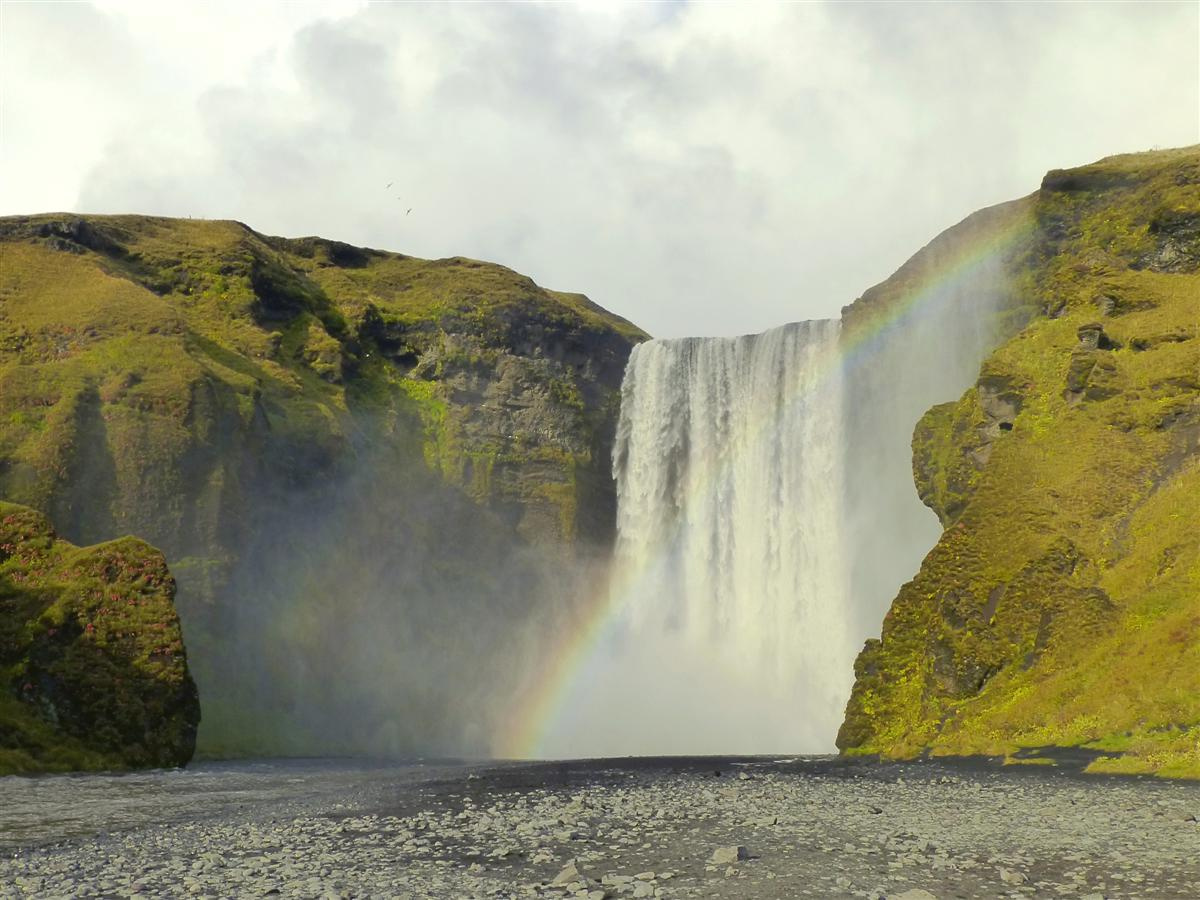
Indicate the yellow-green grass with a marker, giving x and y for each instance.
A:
(93, 674)
(150, 339)
(1062, 605)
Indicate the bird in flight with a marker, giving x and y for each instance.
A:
(408, 211)
(389, 184)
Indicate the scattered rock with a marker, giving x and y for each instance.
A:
(725, 855)
(446, 845)
(1010, 876)
(570, 873)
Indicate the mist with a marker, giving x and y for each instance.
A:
(767, 512)
(372, 611)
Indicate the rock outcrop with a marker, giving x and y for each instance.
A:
(1061, 606)
(322, 439)
(93, 673)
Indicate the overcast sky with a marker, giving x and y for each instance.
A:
(697, 168)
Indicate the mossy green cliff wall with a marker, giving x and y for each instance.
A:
(93, 674)
(299, 425)
(1061, 605)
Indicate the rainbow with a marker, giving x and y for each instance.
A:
(955, 257)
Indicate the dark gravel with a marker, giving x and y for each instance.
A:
(808, 826)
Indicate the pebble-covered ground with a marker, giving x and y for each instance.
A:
(805, 827)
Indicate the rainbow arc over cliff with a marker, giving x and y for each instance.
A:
(954, 259)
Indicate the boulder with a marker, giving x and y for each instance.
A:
(95, 672)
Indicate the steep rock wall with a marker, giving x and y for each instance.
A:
(318, 436)
(1061, 605)
(914, 340)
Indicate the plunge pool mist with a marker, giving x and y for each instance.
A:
(728, 632)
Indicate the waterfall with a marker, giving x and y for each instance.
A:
(767, 512)
(730, 564)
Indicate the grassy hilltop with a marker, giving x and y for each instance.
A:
(166, 340)
(320, 438)
(1061, 606)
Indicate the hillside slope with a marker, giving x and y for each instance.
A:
(93, 674)
(318, 436)
(1061, 605)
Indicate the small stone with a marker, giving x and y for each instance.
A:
(570, 873)
(616, 880)
(1009, 876)
(725, 855)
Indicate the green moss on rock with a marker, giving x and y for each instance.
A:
(140, 357)
(193, 382)
(1061, 606)
(93, 672)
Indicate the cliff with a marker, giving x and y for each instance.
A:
(1060, 607)
(322, 439)
(93, 674)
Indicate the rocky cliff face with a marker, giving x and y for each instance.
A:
(317, 436)
(93, 674)
(1061, 605)
(911, 342)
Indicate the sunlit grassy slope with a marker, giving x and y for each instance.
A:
(167, 340)
(304, 428)
(1062, 604)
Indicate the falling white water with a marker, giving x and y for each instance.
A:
(731, 634)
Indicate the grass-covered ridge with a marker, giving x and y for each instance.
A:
(1062, 605)
(306, 428)
(138, 331)
(93, 673)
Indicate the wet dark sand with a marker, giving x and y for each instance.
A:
(811, 826)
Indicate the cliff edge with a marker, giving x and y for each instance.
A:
(1061, 606)
(344, 453)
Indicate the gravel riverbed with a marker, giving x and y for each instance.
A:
(747, 827)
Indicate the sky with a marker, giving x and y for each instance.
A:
(699, 168)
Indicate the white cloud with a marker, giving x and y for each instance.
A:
(699, 169)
